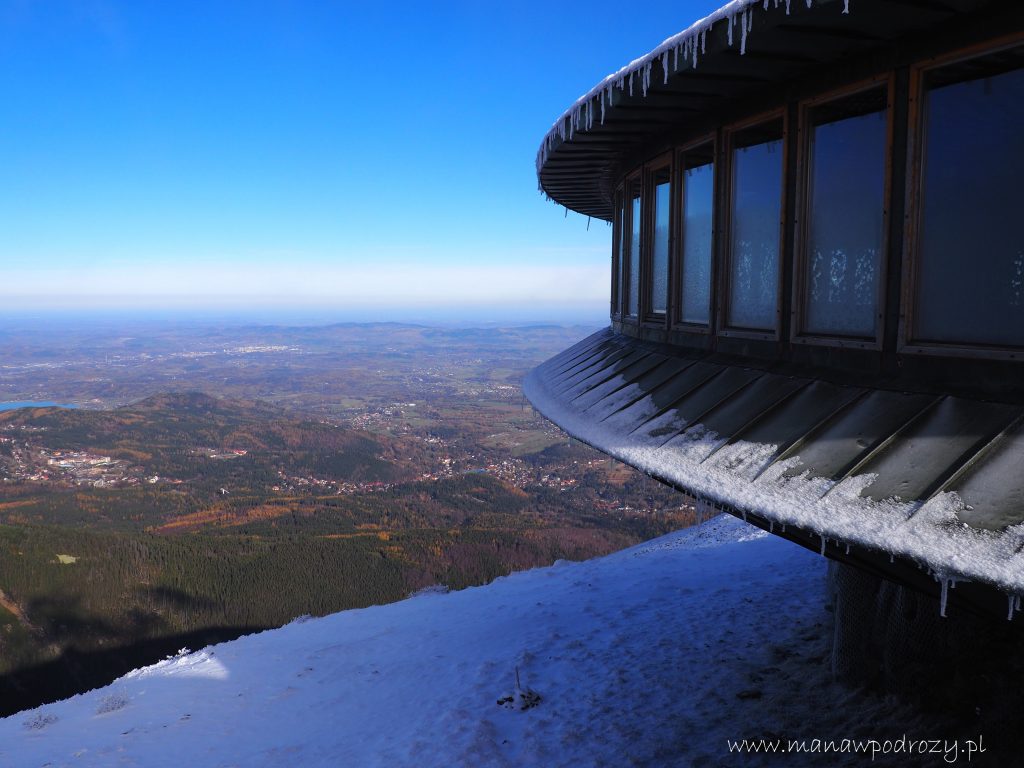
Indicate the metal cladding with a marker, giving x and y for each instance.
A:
(931, 479)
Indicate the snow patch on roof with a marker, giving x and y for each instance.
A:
(929, 534)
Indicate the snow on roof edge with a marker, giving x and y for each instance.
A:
(928, 534)
(688, 45)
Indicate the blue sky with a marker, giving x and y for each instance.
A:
(276, 154)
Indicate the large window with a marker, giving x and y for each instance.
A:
(619, 256)
(754, 233)
(969, 256)
(631, 307)
(661, 205)
(698, 203)
(845, 205)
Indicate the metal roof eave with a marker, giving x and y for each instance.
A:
(659, 92)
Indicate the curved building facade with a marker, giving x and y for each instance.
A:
(817, 280)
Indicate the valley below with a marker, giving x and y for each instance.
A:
(211, 482)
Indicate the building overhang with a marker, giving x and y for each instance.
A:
(750, 52)
(918, 487)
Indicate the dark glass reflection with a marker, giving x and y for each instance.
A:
(754, 236)
(620, 277)
(846, 190)
(970, 270)
(634, 257)
(698, 205)
(659, 251)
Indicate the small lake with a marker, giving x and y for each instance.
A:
(11, 405)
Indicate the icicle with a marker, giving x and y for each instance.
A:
(732, 20)
(766, 4)
(664, 67)
(602, 106)
(846, 6)
(783, 527)
(824, 541)
(703, 40)
(744, 513)
(693, 47)
(808, 3)
(771, 526)
(631, 84)
(892, 558)
(1009, 608)
(944, 597)
(743, 33)
(847, 549)
(787, 7)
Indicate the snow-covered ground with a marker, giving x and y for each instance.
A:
(655, 655)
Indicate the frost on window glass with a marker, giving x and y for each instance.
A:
(754, 237)
(845, 204)
(634, 255)
(970, 256)
(698, 206)
(659, 251)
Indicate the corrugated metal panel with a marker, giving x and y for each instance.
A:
(991, 481)
(912, 445)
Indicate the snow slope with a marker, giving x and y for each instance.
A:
(650, 656)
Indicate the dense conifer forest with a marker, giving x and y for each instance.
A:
(187, 519)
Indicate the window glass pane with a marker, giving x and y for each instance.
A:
(970, 256)
(634, 255)
(659, 251)
(698, 205)
(620, 277)
(845, 202)
(754, 236)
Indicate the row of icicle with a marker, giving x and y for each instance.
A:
(685, 47)
(706, 508)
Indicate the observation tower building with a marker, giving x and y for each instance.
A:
(817, 288)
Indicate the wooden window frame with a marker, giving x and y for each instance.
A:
(648, 317)
(617, 208)
(916, 138)
(626, 317)
(725, 199)
(802, 219)
(676, 251)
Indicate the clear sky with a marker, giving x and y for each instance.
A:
(297, 154)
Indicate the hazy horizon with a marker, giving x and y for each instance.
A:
(441, 316)
(300, 155)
